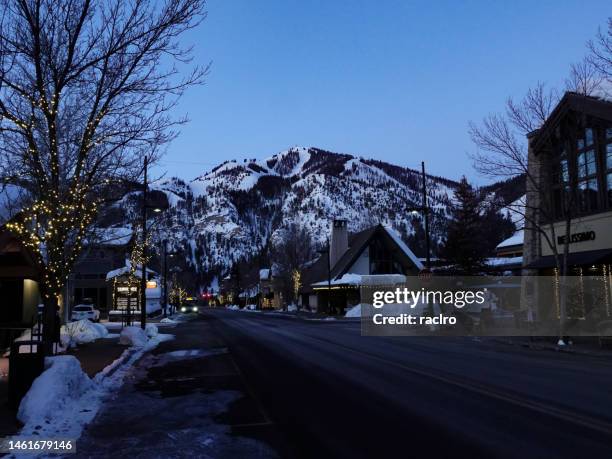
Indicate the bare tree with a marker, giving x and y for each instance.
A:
(585, 78)
(291, 253)
(600, 55)
(502, 141)
(86, 89)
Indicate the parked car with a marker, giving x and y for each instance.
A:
(85, 311)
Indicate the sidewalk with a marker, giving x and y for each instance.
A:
(96, 356)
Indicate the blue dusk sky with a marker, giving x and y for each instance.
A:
(392, 80)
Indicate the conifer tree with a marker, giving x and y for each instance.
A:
(464, 247)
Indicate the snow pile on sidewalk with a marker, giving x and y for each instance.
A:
(81, 331)
(151, 330)
(63, 399)
(62, 381)
(133, 336)
(233, 307)
(355, 311)
(137, 337)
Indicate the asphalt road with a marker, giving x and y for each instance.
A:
(329, 392)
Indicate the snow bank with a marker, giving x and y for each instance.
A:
(233, 307)
(133, 336)
(81, 331)
(292, 308)
(63, 399)
(167, 320)
(355, 311)
(62, 381)
(151, 330)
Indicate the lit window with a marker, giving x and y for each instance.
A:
(151, 284)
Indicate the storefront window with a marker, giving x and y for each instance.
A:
(589, 137)
(587, 180)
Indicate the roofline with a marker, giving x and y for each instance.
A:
(571, 100)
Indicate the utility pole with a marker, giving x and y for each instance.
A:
(328, 277)
(426, 215)
(165, 243)
(143, 279)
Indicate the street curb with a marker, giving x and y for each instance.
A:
(554, 348)
(114, 366)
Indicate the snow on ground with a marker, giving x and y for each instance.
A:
(163, 359)
(133, 336)
(62, 381)
(63, 399)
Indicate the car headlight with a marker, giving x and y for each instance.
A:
(194, 309)
(183, 309)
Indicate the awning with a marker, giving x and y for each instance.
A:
(590, 257)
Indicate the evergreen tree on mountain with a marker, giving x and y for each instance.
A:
(464, 247)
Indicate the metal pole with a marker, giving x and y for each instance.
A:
(165, 278)
(143, 279)
(328, 277)
(426, 212)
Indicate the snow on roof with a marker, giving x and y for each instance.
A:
(125, 270)
(347, 279)
(516, 239)
(502, 261)
(402, 245)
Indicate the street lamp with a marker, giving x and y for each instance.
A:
(166, 256)
(143, 278)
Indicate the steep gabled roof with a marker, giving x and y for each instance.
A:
(358, 242)
(571, 101)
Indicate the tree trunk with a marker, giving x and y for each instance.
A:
(49, 324)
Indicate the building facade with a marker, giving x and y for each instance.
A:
(570, 187)
(107, 251)
(375, 252)
(19, 276)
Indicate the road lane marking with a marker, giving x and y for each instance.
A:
(568, 416)
(472, 386)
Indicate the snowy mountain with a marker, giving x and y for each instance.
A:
(240, 209)
(236, 210)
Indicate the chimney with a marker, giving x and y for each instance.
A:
(338, 243)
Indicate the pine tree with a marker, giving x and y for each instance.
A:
(464, 247)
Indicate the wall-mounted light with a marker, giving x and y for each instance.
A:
(151, 284)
